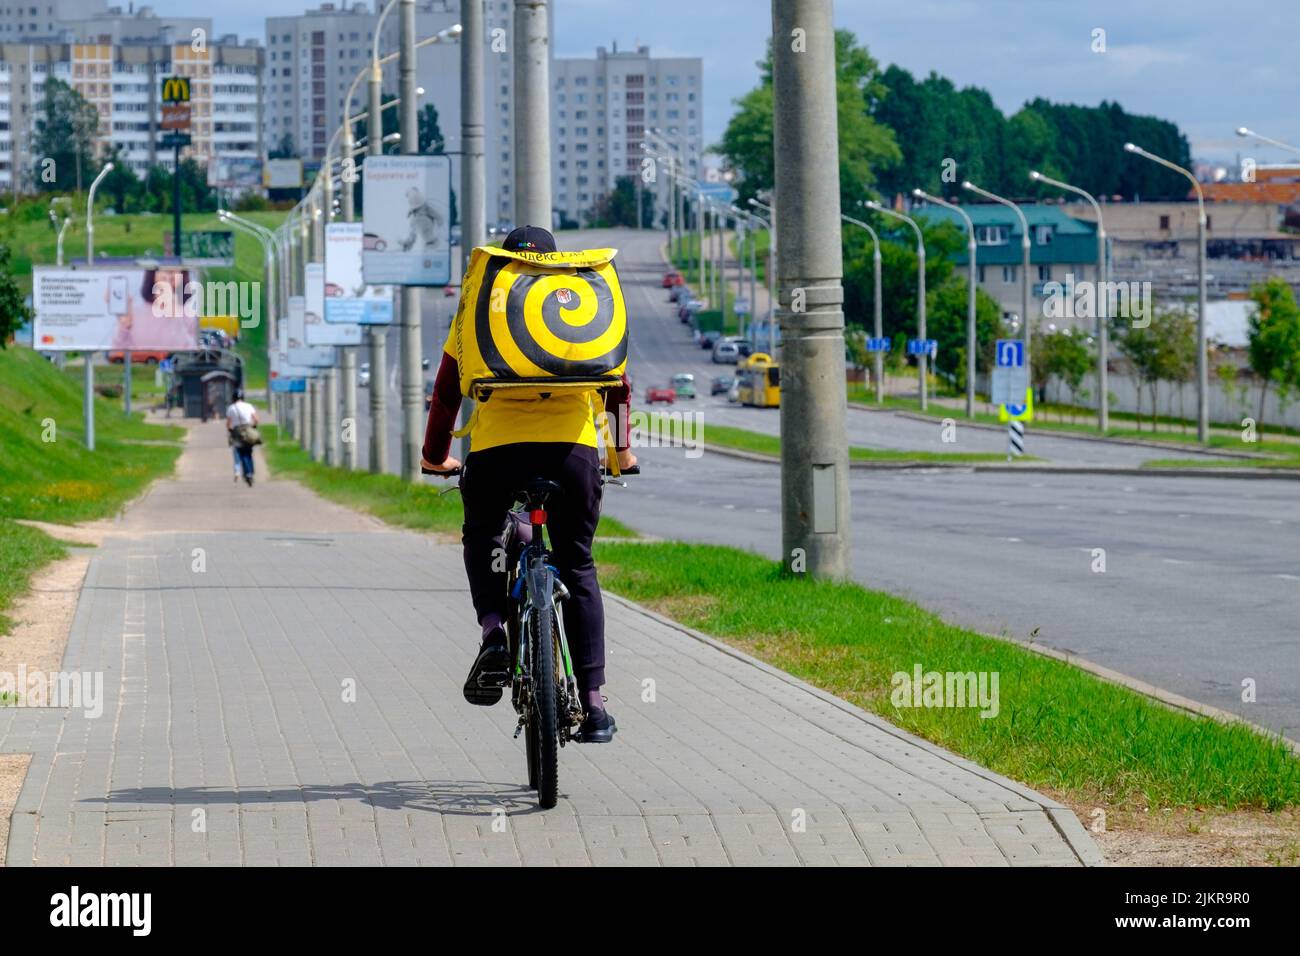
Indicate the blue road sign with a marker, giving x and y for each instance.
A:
(720, 192)
(928, 347)
(1010, 353)
(879, 345)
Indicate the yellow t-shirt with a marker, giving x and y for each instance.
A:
(507, 420)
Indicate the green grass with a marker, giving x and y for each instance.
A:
(1058, 727)
(432, 505)
(1278, 465)
(47, 474)
(59, 479)
(22, 551)
(727, 436)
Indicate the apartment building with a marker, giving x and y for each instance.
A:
(123, 82)
(601, 111)
(313, 58)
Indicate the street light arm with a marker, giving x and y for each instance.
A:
(858, 222)
(1024, 223)
(1243, 131)
(920, 238)
(970, 226)
(1200, 195)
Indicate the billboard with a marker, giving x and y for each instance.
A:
(297, 351)
(315, 329)
(282, 174)
(235, 172)
(407, 239)
(347, 297)
(285, 377)
(109, 308)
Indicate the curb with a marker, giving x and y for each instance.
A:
(1051, 433)
(1061, 816)
(1031, 468)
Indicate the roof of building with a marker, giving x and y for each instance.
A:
(1275, 193)
(1073, 240)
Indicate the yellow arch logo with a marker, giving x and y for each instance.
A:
(176, 89)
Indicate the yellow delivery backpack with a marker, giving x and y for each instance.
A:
(532, 324)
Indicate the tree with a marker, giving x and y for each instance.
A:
(431, 141)
(65, 133)
(865, 145)
(122, 185)
(13, 309)
(285, 149)
(1062, 354)
(618, 207)
(1274, 338)
(946, 320)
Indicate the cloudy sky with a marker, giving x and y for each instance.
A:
(1209, 65)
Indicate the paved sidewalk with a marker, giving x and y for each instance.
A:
(297, 701)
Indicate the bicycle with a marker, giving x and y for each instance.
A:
(543, 686)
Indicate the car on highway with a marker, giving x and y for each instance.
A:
(706, 340)
(684, 385)
(363, 375)
(721, 384)
(660, 393)
(672, 278)
(139, 356)
(726, 352)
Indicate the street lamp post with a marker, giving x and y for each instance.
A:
(1102, 300)
(921, 364)
(1024, 265)
(878, 357)
(971, 273)
(1202, 363)
(770, 222)
(88, 357)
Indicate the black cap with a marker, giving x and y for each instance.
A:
(529, 239)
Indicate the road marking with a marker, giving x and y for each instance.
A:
(1012, 540)
(1288, 577)
(1175, 561)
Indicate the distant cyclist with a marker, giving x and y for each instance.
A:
(553, 438)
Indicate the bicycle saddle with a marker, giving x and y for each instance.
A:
(538, 490)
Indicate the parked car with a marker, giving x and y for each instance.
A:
(708, 339)
(671, 279)
(363, 375)
(726, 352)
(721, 384)
(139, 356)
(684, 385)
(660, 394)
(746, 347)
(678, 293)
(689, 308)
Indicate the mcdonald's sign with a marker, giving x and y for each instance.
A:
(176, 89)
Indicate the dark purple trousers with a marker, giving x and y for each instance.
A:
(487, 484)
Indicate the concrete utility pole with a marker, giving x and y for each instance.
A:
(533, 115)
(971, 274)
(922, 363)
(1025, 244)
(1101, 299)
(89, 357)
(1202, 359)
(473, 174)
(412, 377)
(814, 445)
(378, 334)
(877, 357)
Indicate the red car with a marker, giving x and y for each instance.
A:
(671, 279)
(139, 356)
(664, 394)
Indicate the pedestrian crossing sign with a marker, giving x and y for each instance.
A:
(1018, 413)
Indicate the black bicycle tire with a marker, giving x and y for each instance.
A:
(543, 701)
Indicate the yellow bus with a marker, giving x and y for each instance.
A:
(758, 381)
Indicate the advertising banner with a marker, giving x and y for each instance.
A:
(286, 377)
(347, 297)
(109, 308)
(315, 330)
(282, 174)
(407, 239)
(297, 351)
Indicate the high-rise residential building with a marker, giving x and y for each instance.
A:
(313, 58)
(603, 109)
(123, 80)
(24, 21)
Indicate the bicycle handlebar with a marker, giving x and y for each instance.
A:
(454, 472)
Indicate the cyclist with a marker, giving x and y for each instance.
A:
(553, 438)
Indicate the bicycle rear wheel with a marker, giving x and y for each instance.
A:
(542, 732)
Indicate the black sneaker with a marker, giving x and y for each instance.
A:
(490, 672)
(598, 727)
(249, 480)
